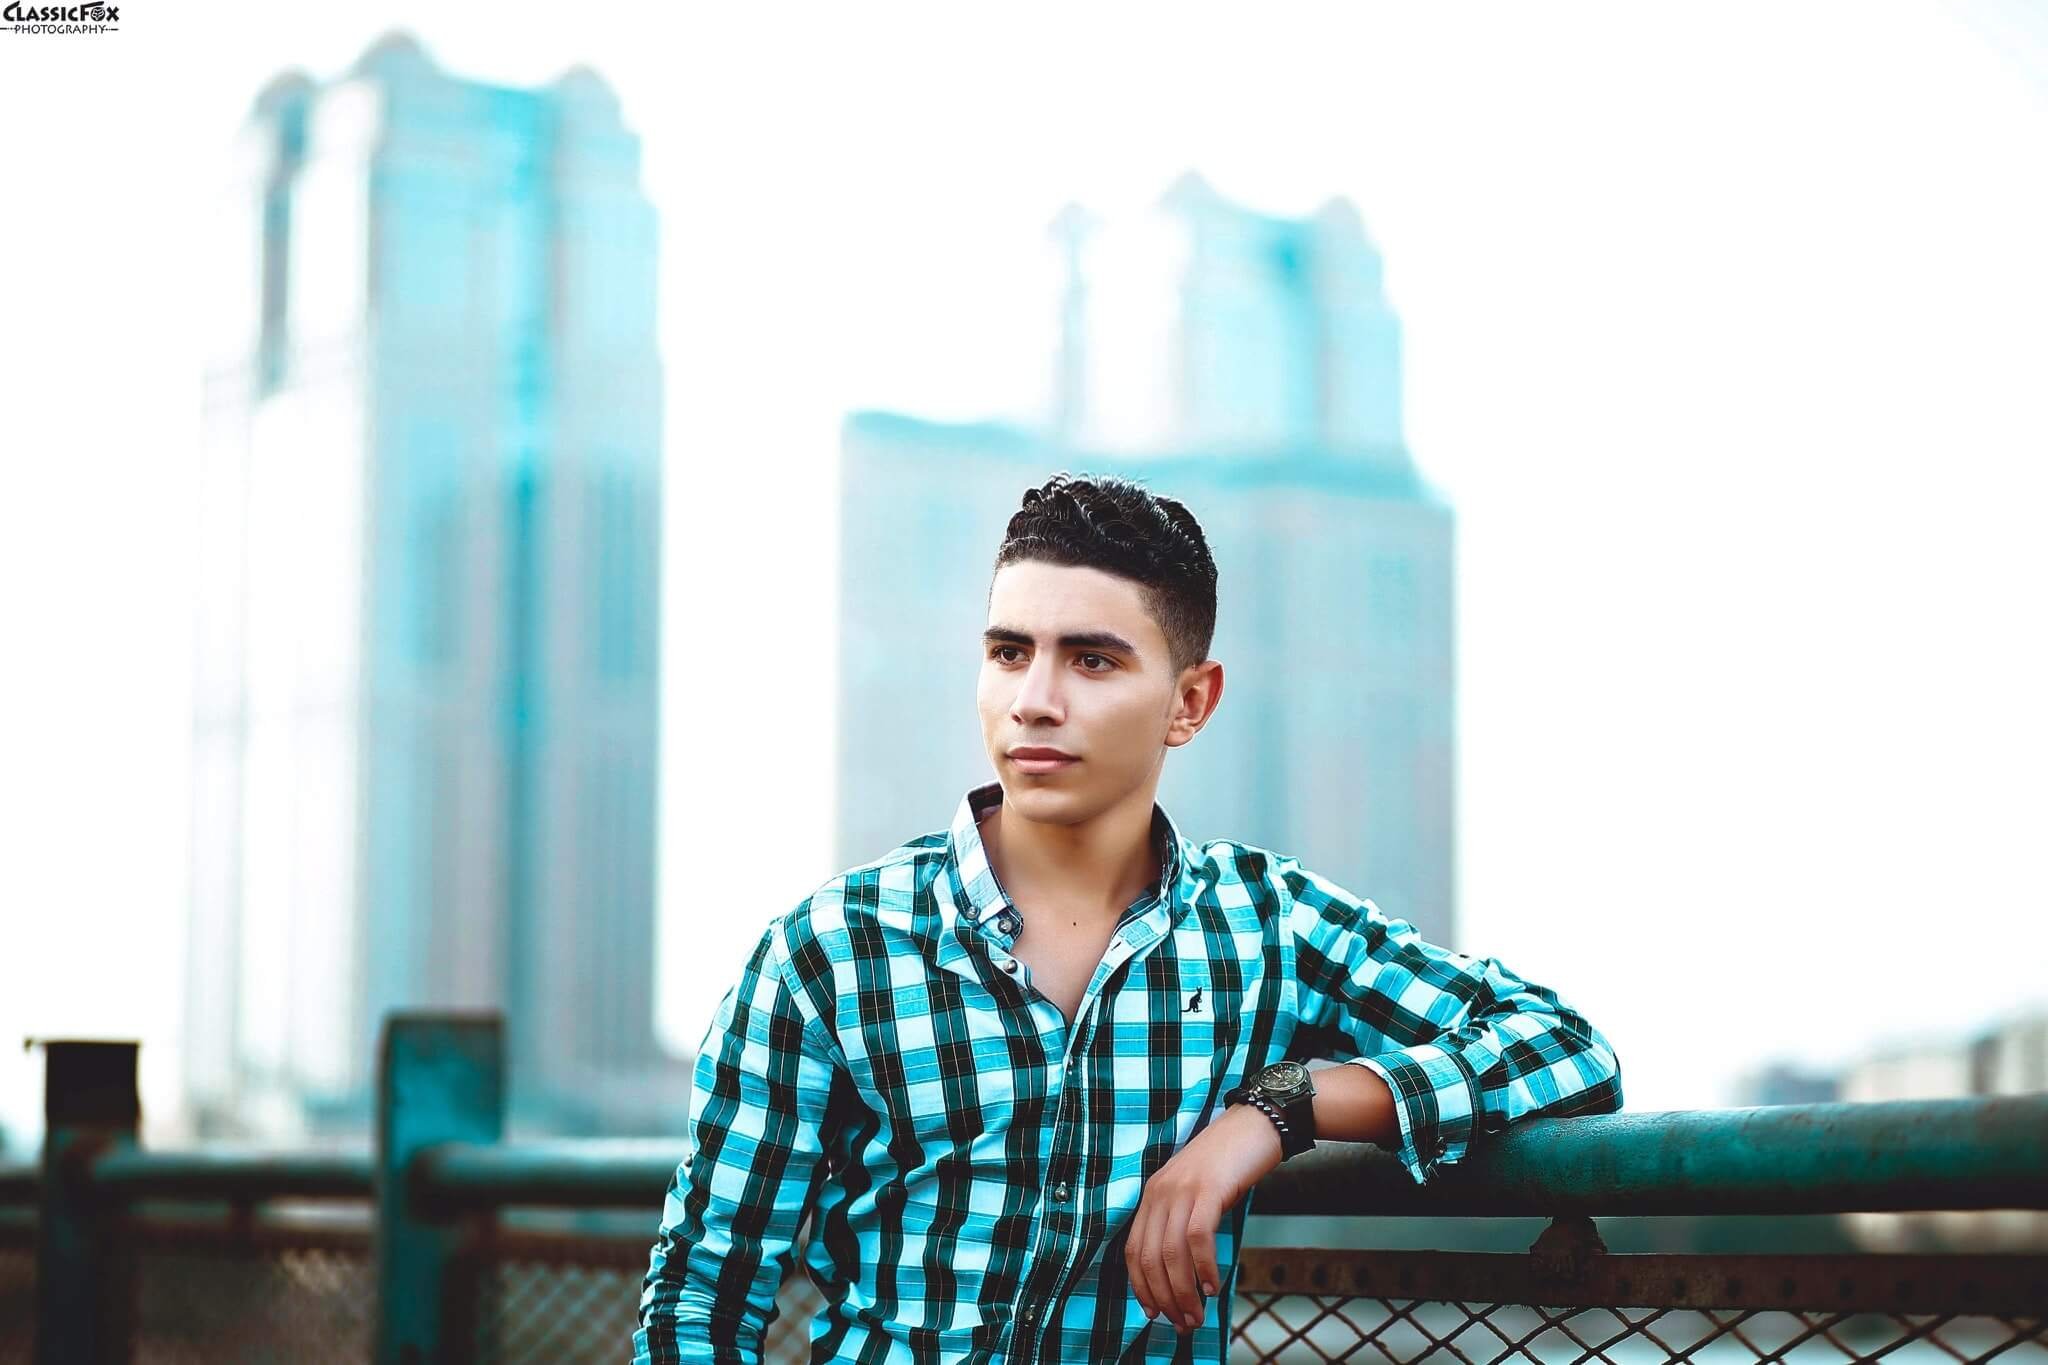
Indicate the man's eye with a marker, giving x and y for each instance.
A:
(1000, 651)
(1102, 659)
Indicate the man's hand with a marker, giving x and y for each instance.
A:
(1171, 1250)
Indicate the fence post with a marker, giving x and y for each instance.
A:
(440, 1078)
(90, 1105)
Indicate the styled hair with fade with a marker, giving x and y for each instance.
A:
(1119, 526)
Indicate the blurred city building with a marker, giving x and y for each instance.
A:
(1249, 366)
(1779, 1083)
(425, 731)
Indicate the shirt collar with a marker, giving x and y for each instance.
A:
(978, 900)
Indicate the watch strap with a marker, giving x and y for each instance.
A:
(1293, 1140)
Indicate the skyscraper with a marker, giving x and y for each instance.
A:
(425, 740)
(1250, 366)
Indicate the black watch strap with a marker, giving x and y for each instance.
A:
(1295, 1121)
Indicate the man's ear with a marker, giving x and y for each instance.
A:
(1196, 694)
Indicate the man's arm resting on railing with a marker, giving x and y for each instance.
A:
(730, 1220)
(1355, 1105)
(1461, 1045)
(1377, 984)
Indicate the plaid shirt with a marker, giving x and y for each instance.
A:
(970, 1161)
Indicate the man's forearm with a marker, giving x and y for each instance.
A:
(1353, 1104)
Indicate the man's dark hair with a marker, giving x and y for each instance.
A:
(1121, 527)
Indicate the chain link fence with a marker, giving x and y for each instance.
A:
(189, 1291)
(1304, 1328)
(550, 1299)
(1570, 1302)
(261, 1291)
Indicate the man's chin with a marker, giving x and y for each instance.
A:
(1051, 804)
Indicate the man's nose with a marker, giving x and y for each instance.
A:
(1038, 695)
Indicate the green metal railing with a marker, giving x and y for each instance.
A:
(437, 1247)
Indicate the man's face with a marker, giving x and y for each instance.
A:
(1074, 662)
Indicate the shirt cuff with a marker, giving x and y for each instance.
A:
(1434, 1093)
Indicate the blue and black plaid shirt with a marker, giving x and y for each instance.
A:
(971, 1162)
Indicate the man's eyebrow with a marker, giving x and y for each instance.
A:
(1080, 639)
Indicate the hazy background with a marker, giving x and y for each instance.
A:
(1724, 336)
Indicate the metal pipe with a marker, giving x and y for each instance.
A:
(20, 1183)
(1824, 1158)
(237, 1175)
(1983, 1153)
(580, 1173)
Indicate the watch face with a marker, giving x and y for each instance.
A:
(1284, 1078)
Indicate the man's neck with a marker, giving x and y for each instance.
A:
(1091, 872)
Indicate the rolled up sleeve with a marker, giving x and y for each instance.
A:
(1465, 1045)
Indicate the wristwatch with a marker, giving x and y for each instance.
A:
(1284, 1094)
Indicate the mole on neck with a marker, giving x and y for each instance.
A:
(1089, 878)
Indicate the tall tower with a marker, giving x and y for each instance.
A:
(1203, 326)
(1250, 366)
(425, 739)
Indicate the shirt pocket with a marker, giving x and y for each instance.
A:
(1176, 1039)
(1195, 1015)
(1217, 994)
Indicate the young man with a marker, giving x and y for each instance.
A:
(1021, 1074)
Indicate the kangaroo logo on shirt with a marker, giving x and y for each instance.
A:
(1194, 1005)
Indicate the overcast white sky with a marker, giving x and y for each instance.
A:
(1725, 333)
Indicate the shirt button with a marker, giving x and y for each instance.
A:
(1030, 1314)
(1006, 923)
(1010, 966)
(1060, 1193)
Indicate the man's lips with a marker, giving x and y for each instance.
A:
(1032, 759)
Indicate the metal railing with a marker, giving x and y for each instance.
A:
(445, 1243)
